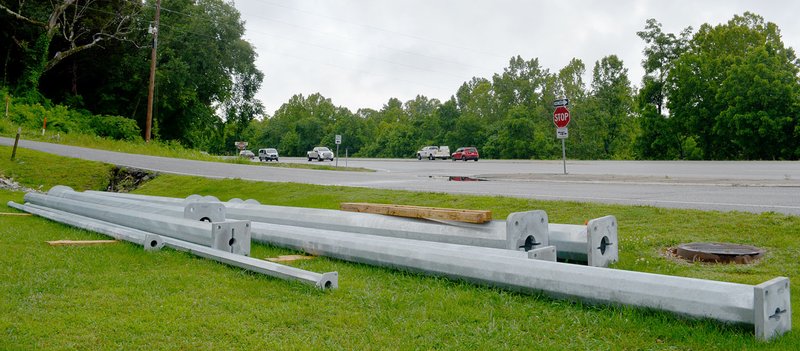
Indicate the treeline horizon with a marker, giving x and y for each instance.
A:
(728, 92)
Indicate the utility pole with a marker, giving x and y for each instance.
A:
(151, 88)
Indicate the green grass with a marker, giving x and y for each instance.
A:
(39, 170)
(153, 148)
(120, 297)
(243, 161)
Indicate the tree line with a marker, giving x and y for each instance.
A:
(727, 91)
(94, 56)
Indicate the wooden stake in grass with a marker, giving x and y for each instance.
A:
(16, 141)
(80, 242)
(450, 214)
(14, 214)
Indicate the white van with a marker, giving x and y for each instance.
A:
(268, 154)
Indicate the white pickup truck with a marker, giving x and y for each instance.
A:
(434, 152)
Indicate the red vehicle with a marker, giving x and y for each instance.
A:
(466, 153)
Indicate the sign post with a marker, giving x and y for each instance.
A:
(561, 118)
(240, 145)
(338, 142)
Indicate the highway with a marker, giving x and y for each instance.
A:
(749, 186)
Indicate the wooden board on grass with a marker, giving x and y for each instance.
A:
(80, 242)
(450, 214)
(289, 258)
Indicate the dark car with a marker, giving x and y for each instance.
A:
(466, 153)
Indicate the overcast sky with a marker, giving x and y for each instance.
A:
(360, 53)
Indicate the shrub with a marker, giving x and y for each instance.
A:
(62, 119)
(115, 127)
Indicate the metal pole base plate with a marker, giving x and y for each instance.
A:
(772, 308)
(232, 236)
(528, 230)
(603, 241)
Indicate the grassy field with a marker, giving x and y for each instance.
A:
(120, 297)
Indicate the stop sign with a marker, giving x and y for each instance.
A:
(561, 117)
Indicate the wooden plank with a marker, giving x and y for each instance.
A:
(14, 214)
(80, 242)
(288, 258)
(450, 214)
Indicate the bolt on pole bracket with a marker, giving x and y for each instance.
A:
(772, 308)
(603, 243)
(527, 230)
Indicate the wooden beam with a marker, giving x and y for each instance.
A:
(14, 214)
(80, 242)
(289, 258)
(450, 214)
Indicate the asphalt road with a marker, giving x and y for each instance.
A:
(750, 186)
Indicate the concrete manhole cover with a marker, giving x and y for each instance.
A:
(719, 252)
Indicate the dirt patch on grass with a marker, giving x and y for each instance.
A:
(125, 179)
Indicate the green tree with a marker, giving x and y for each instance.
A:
(721, 90)
(657, 138)
(761, 96)
(312, 119)
(611, 121)
(661, 51)
(58, 30)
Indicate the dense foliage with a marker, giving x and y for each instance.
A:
(729, 91)
(95, 56)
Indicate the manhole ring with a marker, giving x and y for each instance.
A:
(719, 252)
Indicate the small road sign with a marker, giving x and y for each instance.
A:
(338, 139)
(561, 102)
(562, 133)
(240, 145)
(561, 117)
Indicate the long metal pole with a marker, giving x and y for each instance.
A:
(564, 155)
(526, 230)
(148, 240)
(596, 244)
(151, 86)
(152, 241)
(176, 211)
(766, 306)
(231, 236)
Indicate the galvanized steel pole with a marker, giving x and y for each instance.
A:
(766, 306)
(175, 211)
(152, 241)
(595, 244)
(231, 236)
